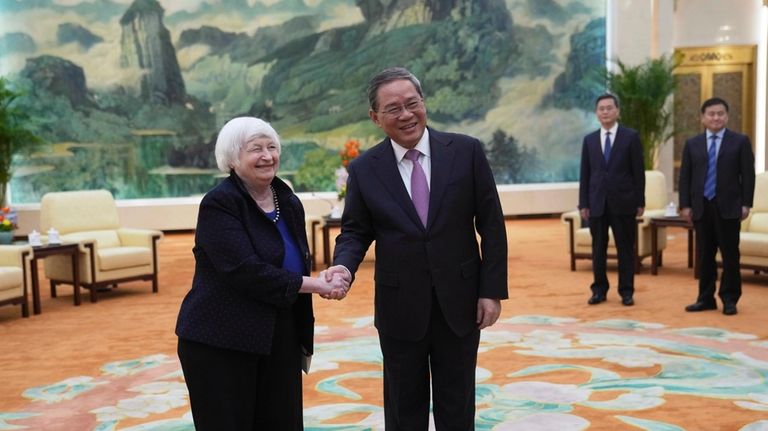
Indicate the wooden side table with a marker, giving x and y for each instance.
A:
(43, 251)
(313, 252)
(677, 221)
(328, 223)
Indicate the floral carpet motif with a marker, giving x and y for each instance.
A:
(534, 373)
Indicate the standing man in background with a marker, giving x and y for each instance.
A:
(423, 196)
(612, 194)
(717, 184)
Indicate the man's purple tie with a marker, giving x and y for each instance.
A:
(419, 186)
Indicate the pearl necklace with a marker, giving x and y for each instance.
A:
(277, 205)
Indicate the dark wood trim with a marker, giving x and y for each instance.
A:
(155, 239)
(22, 300)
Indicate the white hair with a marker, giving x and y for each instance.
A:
(234, 135)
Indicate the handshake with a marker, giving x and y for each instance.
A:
(334, 282)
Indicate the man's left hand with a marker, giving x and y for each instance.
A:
(488, 311)
(640, 211)
(744, 212)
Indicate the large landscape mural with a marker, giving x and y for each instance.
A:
(129, 94)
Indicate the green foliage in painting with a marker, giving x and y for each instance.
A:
(16, 138)
(458, 62)
(317, 171)
(511, 162)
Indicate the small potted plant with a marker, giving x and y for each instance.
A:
(643, 91)
(7, 225)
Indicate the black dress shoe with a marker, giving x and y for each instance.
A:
(701, 306)
(730, 309)
(627, 300)
(596, 299)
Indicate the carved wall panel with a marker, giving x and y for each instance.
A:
(727, 72)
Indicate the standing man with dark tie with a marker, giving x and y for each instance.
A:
(612, 194)
(423, 196)
(717, 184)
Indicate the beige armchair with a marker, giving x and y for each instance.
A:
(15, 272)
(109, 254)
(580, 240)
(753, 243)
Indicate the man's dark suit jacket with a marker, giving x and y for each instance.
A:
(620, 183)
(239, 282)
(411, 261)
(735, 175)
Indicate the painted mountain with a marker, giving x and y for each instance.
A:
(130, 93)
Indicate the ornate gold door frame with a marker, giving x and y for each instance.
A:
(727, 72)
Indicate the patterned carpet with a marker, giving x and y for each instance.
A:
(623, 370)
(551, 363)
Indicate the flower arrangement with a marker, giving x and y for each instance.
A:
(7, 219)
(341, 181)
(350, 151)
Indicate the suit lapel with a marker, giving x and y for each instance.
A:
(701, 146)
(617, 146)
(442, 166)
(727, 136)
(385, 168)
(597, 148)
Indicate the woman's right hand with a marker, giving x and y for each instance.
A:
(334, 289)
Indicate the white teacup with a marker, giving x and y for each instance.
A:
(53, 236)
(34, 239)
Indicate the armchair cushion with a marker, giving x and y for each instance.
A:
(584, 239)
(655, 191)
(78, 211)
(758, 222)
(10, 278)
(123, 257)
(15, 275)
(753, 244)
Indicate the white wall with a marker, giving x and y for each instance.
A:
(629, 35)
(716, 22)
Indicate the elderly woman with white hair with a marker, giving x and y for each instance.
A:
(246, 326)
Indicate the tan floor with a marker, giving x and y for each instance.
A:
(66, 341)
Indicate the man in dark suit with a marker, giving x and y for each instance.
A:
(717, 184)
(612, 194)
(423, 195)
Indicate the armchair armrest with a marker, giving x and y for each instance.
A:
(573, 220)
(745, 223)
(11, 255)
(82, 239)
(571, 216)
(138, 237)
(645, 219)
